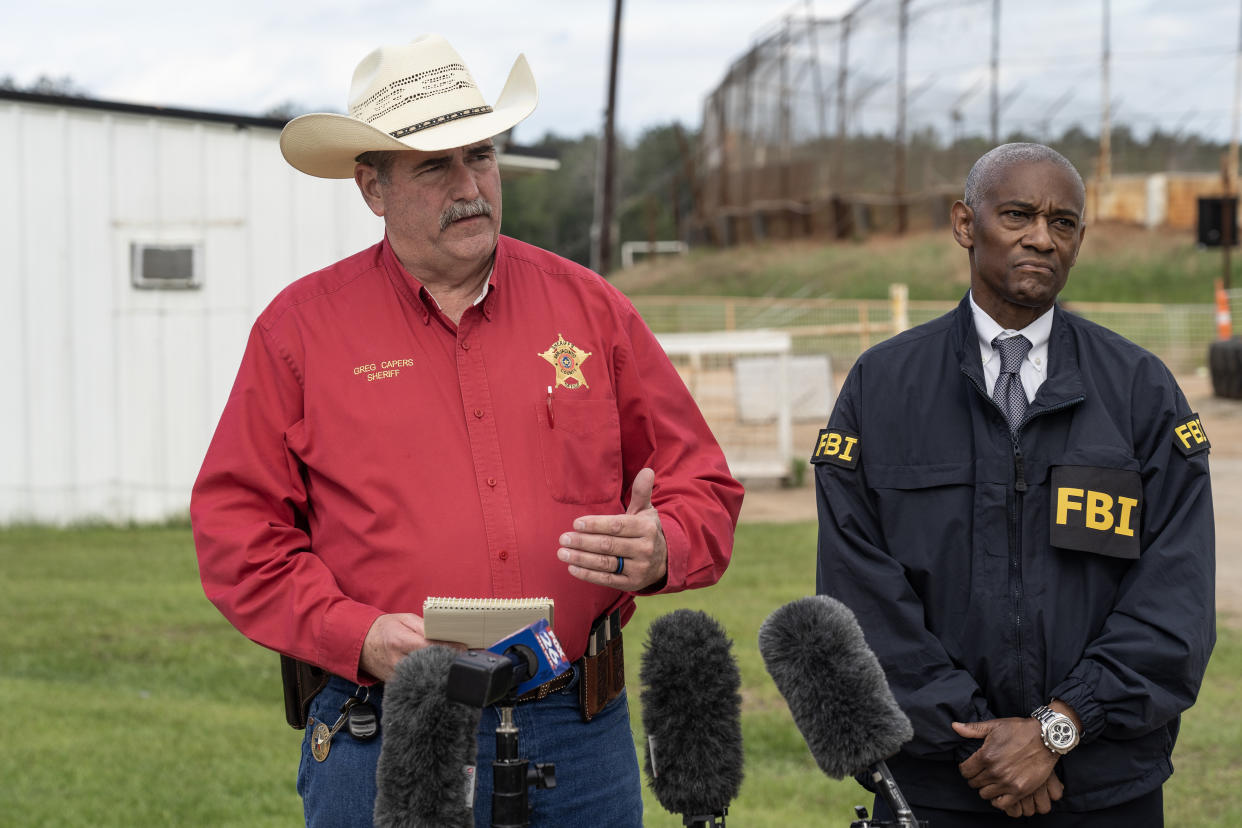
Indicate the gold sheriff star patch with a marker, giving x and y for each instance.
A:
(567, 358)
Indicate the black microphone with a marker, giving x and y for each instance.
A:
(692, 714)
(837, 692)
(425, 775)
(523, 660)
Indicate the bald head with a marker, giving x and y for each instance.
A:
(988, 169)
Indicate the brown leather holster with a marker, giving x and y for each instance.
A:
(302, 683)
(603, 666)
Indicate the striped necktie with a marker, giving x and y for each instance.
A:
(1008, 392)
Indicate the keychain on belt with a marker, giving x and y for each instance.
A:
(357, 716)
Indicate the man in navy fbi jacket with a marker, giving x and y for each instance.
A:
(1015, 502)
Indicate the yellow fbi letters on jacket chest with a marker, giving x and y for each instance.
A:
(1096, 510)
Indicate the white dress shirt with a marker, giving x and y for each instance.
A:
(1034, 368)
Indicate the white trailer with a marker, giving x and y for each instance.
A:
(138, 245)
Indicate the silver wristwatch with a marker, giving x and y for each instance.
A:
(1058, 731)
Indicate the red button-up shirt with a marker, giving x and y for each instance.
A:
(372, 453)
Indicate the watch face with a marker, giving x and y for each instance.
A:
(1061, 734)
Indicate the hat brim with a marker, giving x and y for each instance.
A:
(325, 144)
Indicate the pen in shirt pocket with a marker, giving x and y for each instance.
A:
(551, 413)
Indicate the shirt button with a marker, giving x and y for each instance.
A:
(504, 556)
(491, 481)
(478, 412)
(465, 345)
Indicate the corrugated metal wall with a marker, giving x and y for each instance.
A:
(111, 393)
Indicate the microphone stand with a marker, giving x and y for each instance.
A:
(512, 775)
(884, 780)
(887, 789)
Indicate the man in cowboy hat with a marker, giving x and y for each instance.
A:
(452, 413)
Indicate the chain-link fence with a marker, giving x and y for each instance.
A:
(870, 120)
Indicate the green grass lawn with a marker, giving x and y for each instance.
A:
(131, 702)
(1117, 263)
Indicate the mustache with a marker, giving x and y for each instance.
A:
(465, 209)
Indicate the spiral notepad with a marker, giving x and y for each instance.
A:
(481, 622)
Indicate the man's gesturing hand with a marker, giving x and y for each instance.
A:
(632, 542)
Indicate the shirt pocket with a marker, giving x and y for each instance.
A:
(924, 509)
(581, 450)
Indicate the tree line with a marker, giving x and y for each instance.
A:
(657, 180)
(655, 176)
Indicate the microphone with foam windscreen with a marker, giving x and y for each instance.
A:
(836, 690)
(691, 710)
(425, 775)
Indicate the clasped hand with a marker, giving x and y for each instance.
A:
(1013, 770)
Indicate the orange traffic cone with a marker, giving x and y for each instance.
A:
(1224, 321)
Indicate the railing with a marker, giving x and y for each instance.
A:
(844, 328)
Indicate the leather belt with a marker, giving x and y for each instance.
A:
(600, 672)
(550, 686)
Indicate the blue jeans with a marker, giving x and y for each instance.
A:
(597, 780)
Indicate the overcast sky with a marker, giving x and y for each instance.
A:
(247, 57)
(1173, 58)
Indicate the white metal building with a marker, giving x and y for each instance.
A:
(137, 246)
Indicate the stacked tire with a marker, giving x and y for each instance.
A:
(1225, 367)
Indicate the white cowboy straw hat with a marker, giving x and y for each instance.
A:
(419, 96)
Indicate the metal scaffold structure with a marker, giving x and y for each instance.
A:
(869, 120)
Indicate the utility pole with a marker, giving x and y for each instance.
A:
(724, 235)
(899, 162)
(842, 226)
(1105, 172)
(747, 139)
(601, 230)
(786, 36)
(843, 71)
(1237, 91)
(1229, 204)
(817, 82)
(995, 132)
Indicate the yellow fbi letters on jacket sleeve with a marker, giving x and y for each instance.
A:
(838, 447)
(1189, 437)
